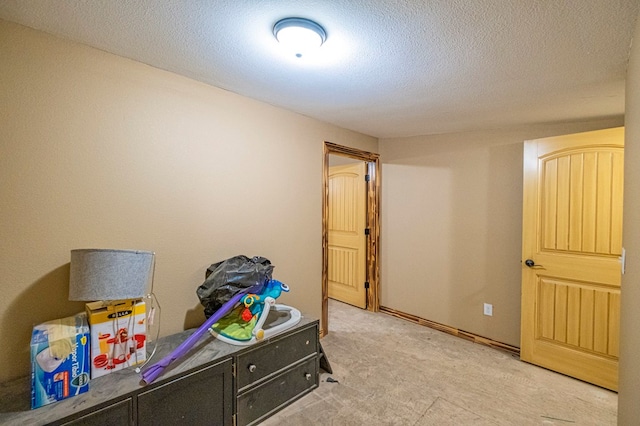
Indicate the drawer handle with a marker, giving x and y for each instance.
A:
(252, 368)
(307, 376)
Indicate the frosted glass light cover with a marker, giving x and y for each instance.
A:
(106, 274)
(299, 40)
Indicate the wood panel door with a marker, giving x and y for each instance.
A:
(572, 240)
(347, 240)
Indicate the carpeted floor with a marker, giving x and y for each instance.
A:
(393, 372)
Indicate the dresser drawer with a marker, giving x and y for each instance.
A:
(276, 393)
(120, 413)
(282, 351)
(204, 397)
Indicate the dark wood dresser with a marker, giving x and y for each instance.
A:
(214, 384)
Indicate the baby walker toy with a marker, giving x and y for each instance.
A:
(244, 324)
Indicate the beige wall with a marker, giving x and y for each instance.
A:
(451, 226)
(629, 390)
(100, 151)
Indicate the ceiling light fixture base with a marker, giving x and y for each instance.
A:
(299, 34)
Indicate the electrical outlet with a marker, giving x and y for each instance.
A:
(488, 309)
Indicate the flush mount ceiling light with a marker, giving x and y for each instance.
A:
(299, 35)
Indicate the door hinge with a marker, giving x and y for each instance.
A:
(367, 178)
(366, 284)
(367, 231)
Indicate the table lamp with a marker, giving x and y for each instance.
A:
(115, 278)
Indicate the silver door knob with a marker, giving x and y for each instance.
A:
(252, 368)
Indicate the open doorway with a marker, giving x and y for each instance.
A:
(349, 163)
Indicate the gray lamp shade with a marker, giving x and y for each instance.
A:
(105, 274)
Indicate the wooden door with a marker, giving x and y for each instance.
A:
(346, 228)
(572, 240)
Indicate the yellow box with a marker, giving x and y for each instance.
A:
(118, 335)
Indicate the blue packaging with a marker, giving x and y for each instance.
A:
(59, 359)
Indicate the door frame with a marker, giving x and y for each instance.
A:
(372, 268)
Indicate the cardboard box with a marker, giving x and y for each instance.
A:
(59, 360)
(118, 335)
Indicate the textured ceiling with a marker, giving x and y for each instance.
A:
(388, 68)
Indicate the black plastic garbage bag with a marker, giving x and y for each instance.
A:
(227, 278)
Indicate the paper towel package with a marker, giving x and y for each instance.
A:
(118, 335)
(59, 359)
